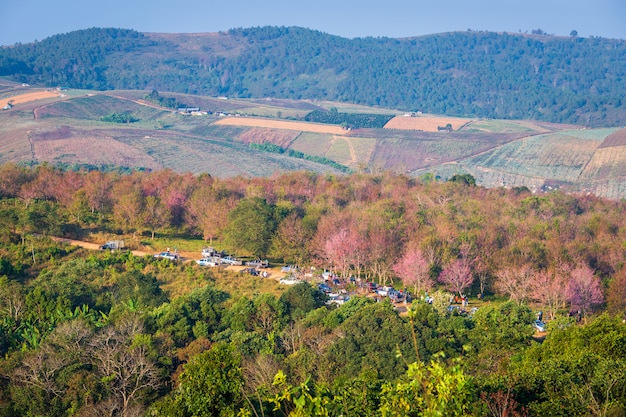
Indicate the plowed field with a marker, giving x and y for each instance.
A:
(25, 98)
(282, 124)
(425, 123)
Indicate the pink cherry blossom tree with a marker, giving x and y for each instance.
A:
(457, 276)
(342, 249)
(550, 290)
(584, 290)
(413, 270)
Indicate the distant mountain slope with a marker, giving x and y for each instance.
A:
(229, 137)
(471, 74)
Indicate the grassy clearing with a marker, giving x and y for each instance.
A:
(363, 148)
(309, 143)
(340, 150)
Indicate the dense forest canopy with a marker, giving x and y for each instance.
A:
(479, 74)
(110, 333)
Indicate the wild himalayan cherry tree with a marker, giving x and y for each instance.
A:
(457, 276)
(413, 269)
(584, 290)
(550, 289)
(517, 282)
(341, 247)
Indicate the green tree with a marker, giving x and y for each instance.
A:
(498, 333)
(302, 298)
(370, 340)
(251, 226)
(428, 390)
(577, 371)
(211, 383)
(198, 314)
(466, 179)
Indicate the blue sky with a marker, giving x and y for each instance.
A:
(29, 20)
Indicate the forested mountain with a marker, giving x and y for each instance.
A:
(479, 74)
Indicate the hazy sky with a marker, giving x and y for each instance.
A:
(29, 20)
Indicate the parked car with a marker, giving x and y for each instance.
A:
(210, 261)
(289, 269)
(384, 291)
(289, 281)
(250, 271)
(230, 260)
(539, 325)
(338, 299)
(209, 252)
(323, 287)
(257, 263)
(167, 255)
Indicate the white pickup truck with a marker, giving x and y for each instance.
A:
(113, 245)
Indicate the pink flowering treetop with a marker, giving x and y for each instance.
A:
(457, 276)
(413, 269)
(584, 290)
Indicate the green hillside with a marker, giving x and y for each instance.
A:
(477, 74)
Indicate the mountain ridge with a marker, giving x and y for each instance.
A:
(474, 74)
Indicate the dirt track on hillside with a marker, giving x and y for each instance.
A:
(92, 246)
(184, 256)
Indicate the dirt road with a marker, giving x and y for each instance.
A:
(90, 245)
(184, 256)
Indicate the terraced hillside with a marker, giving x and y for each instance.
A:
(228, 137)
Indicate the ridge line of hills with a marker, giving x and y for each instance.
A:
(471, 74)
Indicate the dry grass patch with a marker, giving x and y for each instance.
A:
(425, 123)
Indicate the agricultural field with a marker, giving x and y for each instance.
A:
(552, 156)
(605, 163)
(282, 138)
(75, 146)
(15, 145)
(420, 152)
(218, 158)
(95, 106)
(616, 138)
(574, 159)
(70, 130)
(311, 143)
(426, 123)
(503, 126)
(28, 97)
(351, 151)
